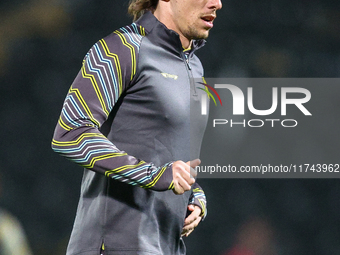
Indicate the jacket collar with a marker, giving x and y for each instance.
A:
(166, 37)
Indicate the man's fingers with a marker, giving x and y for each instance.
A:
(193, 164)
(184, 175)
(178, 189)
(192, 225)
(181, 184)
(193, 215)
(186, 231)
(184, 183)
(191, 207)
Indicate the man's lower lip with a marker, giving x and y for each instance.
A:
(208, 23)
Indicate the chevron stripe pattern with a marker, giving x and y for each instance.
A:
(198, 198)
(107, 70)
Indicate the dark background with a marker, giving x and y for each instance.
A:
(42, 44)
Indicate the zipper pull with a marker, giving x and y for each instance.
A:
(188, 63)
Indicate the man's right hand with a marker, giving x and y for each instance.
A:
(184, 175)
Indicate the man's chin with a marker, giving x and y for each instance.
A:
(195, 34)
(201, 36)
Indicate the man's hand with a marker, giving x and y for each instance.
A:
(192, 220)
(183, 175)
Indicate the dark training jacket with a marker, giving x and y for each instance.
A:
(136, 86)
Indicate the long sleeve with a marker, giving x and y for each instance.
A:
(198, 198)
(106, 73)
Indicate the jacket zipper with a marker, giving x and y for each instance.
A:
(191, 77)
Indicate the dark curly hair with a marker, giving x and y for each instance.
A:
(138, 7)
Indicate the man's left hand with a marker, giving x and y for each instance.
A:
(192, 221)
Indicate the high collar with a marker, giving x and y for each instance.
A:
(166, 36)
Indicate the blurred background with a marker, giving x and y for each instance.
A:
(42, 44)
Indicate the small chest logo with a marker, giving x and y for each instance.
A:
(171, 76)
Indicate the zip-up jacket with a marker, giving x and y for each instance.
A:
(133, 109)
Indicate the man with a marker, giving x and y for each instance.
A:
(138, 195)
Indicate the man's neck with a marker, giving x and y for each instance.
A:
(165, 18)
